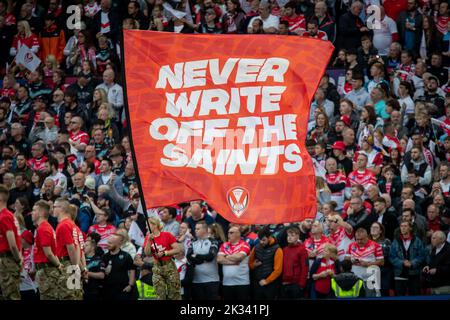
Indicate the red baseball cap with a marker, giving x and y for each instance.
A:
(339, 145)
(346, 120)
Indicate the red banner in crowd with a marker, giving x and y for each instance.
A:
(223, 118)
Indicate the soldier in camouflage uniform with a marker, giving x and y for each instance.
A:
(69, 252)
(10, 250)
(163, 246)
(48, 267)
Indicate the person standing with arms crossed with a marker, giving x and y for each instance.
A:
(67, 250)
(48, 267)
(11, 261)
(163, 246)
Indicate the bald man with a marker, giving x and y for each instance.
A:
(113, 90)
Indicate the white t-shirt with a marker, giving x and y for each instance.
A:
(271, 21)
(382, 37)
(409, 107)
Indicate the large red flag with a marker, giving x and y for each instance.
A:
(223, 118)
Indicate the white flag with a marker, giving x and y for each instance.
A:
(27, 58)
(440, 123)
(178, 14)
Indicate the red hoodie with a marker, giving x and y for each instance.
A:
(295, 264)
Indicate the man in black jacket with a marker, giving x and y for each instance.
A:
(437, 270)
(351, 27)
(106, 21)
(388, 220)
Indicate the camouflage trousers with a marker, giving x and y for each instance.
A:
(47, 279)
(9, 279)
(70, 284)
(166, 281)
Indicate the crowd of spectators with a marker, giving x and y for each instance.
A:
(379, 136)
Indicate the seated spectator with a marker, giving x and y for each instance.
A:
(233, 21)
(297, 23)
(26, 37)
(358, 94)
(270, 22)
(312, 30)
(417, 164)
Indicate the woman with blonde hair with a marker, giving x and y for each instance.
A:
(104, 113)
(322, 191)
(50, 66)
(127, 246)
(99, 97)
(24, 36)
(163, 246)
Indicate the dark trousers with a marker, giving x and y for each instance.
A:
(236, 292)
(410, 286)
(267, 292)
(291, 292)
(205, 291)
(29, 295)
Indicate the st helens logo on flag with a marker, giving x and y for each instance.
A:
(238, 199)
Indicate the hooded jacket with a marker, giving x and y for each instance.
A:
(295, 265)
(347, 280)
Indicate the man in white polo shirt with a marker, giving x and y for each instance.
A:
(233, 255)
(270, 22)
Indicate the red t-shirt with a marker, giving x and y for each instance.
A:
(8, 92)
(364, 178)
(370, 252)
(320, 35)
(163, 243)
(80, 136)
(8, 222)
(104, 232)
(66, 233)
(295, 24)
(45, 237)
(228, 248)
(312, 244)
(341, 239)
(36, 164)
